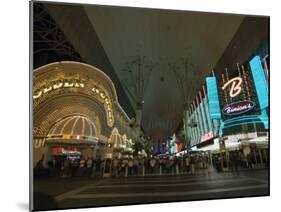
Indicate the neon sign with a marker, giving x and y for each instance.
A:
(76, 83)
(238, 107)
(207, 136)
(56, 85)
(235, 88)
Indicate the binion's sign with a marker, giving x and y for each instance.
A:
(238, 107)
(235, 86)
(237, 93)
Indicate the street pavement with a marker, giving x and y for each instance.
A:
(73, 193)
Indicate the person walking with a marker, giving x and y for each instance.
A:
(165, 165)
(136, 166)
(50, 168)
(94, 167)
(74, 167)
(235, 162)
(249, 161)
(161, 165)
(187, 164)
(218, 163)
(152, 165)
(142, 166)
(115, 164)
(81, 167)
(98, 167)
(89, 164)
(181, 164)
(130, 167)
(147, 165)
(66, 168)
(125, 165)
(172, 166)
(177, 164)
(122, 168)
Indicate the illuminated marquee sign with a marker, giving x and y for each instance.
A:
(235, 88)
(76, 83)
(238, 107)
(207, 136)
(237, 93)
(56, 85)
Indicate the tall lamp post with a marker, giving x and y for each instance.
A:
(183, 73)
(221, 145)
(138, 72)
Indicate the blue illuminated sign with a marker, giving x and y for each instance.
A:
(213, 98)
(259, 81)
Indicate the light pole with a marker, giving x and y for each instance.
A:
(183, 73)
(221, 143)
(138, 74)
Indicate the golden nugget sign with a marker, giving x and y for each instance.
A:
(107, 103)
(235, 88)
(76, 83)
(57, 85)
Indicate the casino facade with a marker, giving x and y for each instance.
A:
(230, 112)
(76, 112)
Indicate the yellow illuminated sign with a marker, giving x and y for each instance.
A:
(235, 88)
(67, 84)
(75, 83)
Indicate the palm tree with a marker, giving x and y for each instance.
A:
(137, 147)
(148, 146)
(142, 144)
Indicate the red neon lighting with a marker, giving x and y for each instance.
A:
(61, 150)
(207, 136)
(246, 83)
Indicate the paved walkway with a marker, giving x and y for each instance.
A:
(155, 188)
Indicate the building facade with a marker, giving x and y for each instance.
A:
(75, 106)
(231, 111)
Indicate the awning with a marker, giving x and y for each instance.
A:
(259, 141)
(74, 142)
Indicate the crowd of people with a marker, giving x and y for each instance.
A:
(132, 166)
(153, 165)
(236, 160)
(63, 166)
(139, 166)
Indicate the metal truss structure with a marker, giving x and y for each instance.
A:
(49, 39)
(183, 72)
(138, 71)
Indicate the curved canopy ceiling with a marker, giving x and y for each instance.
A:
(164, 37)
